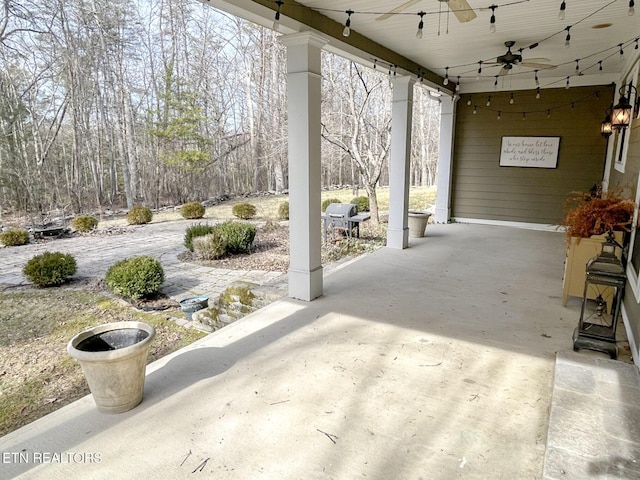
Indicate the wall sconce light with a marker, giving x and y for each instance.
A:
(621, 115)
(606, 129)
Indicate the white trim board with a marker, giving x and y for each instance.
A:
(527, 226)
(632, 341)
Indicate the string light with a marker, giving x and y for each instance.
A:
(446, 76)
(567, 85)
(458, 84)
(577, 64)
(499, 115)
(549, 113)
(636, 47)
(421, 25)
(600, 65)
(489, 101)
(538, 93)
(524, 116)
(276, 22)
(567, 40)
(492, 22)
(621, 51)
(469, 101)
(511, 100)
(347, 25)
(495, 83)
(479, 70)
(475, 109)
(536, 77)
(563, 7)
(631, 10)
(375, 63)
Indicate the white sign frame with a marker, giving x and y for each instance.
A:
(529, 152)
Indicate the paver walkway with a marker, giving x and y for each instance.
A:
(164, 241)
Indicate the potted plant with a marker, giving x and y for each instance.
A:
(417, 222)
(590, 216)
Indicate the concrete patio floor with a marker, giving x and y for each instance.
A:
(434, 362)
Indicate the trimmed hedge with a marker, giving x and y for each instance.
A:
(328, 202)
(50, 268)
(238, 235)
(283, 211)
(210, 246)
(135, 278)
(361, 203)
(84, 223)
(14, 237)
(245, 211)
(198, 230)
(192, 210)
(139, 215)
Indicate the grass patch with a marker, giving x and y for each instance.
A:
(36, 374)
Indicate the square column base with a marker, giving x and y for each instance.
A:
(305, 285)
(398, 239)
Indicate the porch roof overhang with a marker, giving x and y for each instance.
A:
(599, 31)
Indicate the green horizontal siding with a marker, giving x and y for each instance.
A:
(483, 190)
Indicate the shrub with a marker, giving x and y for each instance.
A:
(210, 246)
(328, 202)
(238, 235)
(14, 237)
(192, 210)
(136, 277)
(50, 268)
(283, 211)
(245, 211)
(84, 223)
(139, 215)
(198, 230)
(361, 203)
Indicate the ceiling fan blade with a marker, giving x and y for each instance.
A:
(539, 66)
(538, 60)
(462, 10)
(398, 9)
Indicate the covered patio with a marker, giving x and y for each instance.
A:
(432, 362)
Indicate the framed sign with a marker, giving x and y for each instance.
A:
(535, 152)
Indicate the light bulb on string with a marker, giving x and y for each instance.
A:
(458, 84)
(631, 10)
(536, 78)
(489, 101)
(499, 115)
(636, 47)
(492, 21)
(567, 40)
(469, 101)
(561, 13)
(567, 85)
(600, 65)
(538, 93)
(446, 76)
(276, 22)
(420, 24)
(548, 113)
(512, 100)
(479, 70)
(577, 64)
(495, 83)
(621, 51)
(475, 109)
(347, 25)
(524, 115)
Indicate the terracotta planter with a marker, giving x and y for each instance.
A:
(114, 359)
(417, 223)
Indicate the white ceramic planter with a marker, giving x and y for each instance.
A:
(417, 223)
(113, 357)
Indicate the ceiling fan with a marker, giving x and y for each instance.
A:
(460, 8)
(510, 59)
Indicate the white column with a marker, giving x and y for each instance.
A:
(303, 111)
(445, 159)
(401, 118)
